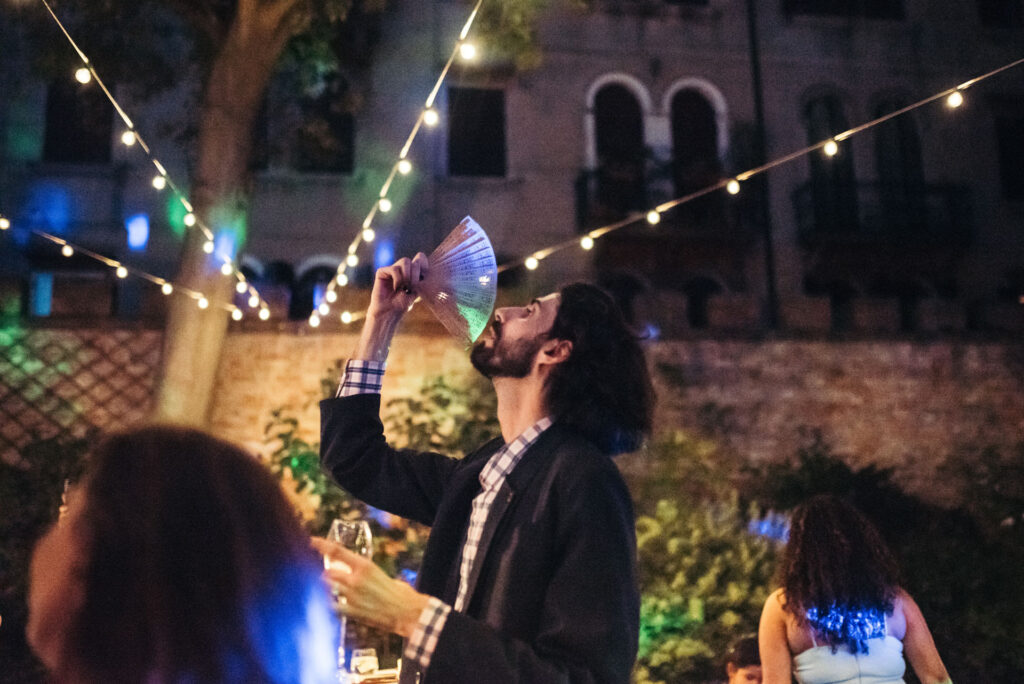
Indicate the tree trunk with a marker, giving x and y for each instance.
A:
(220, 196)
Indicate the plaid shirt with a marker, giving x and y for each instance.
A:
(365, 377)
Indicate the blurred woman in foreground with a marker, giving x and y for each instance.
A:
(179, 560)
(840, 615)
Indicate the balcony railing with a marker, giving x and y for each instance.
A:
(869, 213)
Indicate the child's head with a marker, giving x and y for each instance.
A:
(743, 662)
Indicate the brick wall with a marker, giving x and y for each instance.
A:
(895, 404)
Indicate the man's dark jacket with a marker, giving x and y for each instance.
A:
(553, 594)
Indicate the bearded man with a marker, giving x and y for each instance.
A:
(529, 574)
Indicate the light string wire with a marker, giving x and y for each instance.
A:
(122, 270)
(163, 178)
(427, 116)
(731, 184)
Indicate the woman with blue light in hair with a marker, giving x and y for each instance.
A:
(179, 561)
(840, 615)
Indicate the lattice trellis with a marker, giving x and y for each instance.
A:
(67, 382)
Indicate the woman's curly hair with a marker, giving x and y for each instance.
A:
(837, 572)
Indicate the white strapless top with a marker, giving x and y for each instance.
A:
(882, 664)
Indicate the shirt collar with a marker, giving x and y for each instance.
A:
(506, 458)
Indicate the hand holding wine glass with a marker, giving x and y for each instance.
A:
(355, 536)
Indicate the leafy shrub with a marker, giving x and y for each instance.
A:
(704, 580)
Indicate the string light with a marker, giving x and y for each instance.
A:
(955, 99)
(254, 301)
(346, 317)
(226, 269)
(324, 308)
(831, 148)
(314, 321)
(733, 187)
(190, 220)
(67, 250)
(264, 313)
(467, 51)
(130, 137)
(121, 272)
(342, 280)
(203, 302)
(404, 166)
(385, 204)
(532, 263)
(208, 246)
(653, 217)
(167, 288)
(430, 116)
(4, 223)
(587, 242)
(368, 235)
(236, 314)
(331, 296)
(352, 260)
(241, 287)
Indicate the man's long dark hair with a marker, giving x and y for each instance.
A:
(603, 390)
(197, 568)
(836, 560)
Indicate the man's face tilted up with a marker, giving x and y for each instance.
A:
(509, 346)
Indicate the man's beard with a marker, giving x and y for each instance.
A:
(514, 360)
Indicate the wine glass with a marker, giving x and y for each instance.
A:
(355, 536)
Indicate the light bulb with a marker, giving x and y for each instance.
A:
(733, 187)
(331, 296)
(203, 302)
(352, 260)
(653, 217)
(121, 272)
(346, 317)
(385, 204)
(831, 148)
(128, 137)
(241, 287)
(254, 301)
(955, 99)
(467, 51)
(430, 117)
(159, 182)
(368, 235)
(225, 268)
(314, 321)
(190, 220)
(167, 288)
(264, 314)
(587, 242)
(532, 263)
(67, 250)
(236, 314)
(342, 280)
(208, 246)
(324, 308)
(4, 224)
(404, 166)
(83, 75)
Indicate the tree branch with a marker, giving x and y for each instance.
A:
(201, 17)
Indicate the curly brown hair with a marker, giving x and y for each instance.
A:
(836, 560)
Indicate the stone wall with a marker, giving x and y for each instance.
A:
(896, 404)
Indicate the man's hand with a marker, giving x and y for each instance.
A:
(370, 595)
(394, 291)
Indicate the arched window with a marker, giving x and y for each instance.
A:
(619, 143)
(900, 171)
(695, 145)
(833, 183)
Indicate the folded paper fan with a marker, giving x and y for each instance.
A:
(462, 281)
